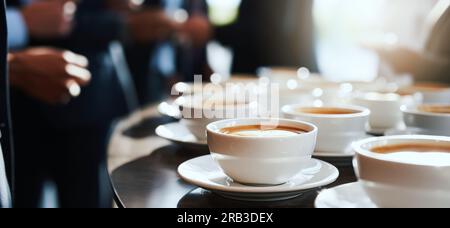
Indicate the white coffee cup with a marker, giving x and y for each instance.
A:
(426, 121)
(279, 75)
(199, 111)
(411, 180)
(315, 93)
(432, 92)
(188, 88)
(338, 129)
(385, 108)
(261, 160)
(295, 96)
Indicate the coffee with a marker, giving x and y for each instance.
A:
(424, 87)
(431, 86)
(417, 153)
(438, 109)
(327, 111)
(412, 147)
(262, 131)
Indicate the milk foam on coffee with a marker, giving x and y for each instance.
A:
(262, 131)
(417, 154)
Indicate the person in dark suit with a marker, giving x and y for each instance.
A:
(175, 56)
(66, 142)
(5, 195)
(271, 33)
(54, 85)
(433, 64)
(51, 85)
(148, 83)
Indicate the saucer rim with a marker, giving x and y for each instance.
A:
(177, 140)
(349, 154)
(331, 178)
(318, 202)
(163, 113)
(332, 155)
(382, 131)
(420, 131)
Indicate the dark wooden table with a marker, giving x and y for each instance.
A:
(143, 172)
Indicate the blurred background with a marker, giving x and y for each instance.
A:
(76, 66)
(343, 26)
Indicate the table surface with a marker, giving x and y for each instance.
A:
(143, 170)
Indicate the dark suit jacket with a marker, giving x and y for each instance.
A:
(435, 64)
(271, 33)
(102, 100)
(5, 200)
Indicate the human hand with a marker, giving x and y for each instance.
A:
(123, 6)
(197, 30)
(150, 25)
(400, 59)
(50, 18)
(49, 75)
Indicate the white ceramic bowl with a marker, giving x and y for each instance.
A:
(396, 183)
(431, 123)
(436, 97)
(336, 132)
(261, 160)
(432, 92)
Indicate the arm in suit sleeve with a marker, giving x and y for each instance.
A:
(231, 34)
(434, 64)
(17, 29)
(5, 196)
(97, 28)
(433, 68)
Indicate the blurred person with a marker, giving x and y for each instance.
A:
(47, 19)
(271, 33)
(53, 85)
(176, 53)
(35, 87)
(58, 139)
(57, 84)
(141, 42)
(194, 35)
(5, 194)
(71, 137)
(432, 64)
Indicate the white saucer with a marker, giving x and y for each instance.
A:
(334, 155)
(382, 131)
(337, 154)
(412, 131)
(170, 109)
(344, 196)
(205, 173)
(179, 134)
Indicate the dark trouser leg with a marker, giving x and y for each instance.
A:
(80, 170)
(31, 163)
